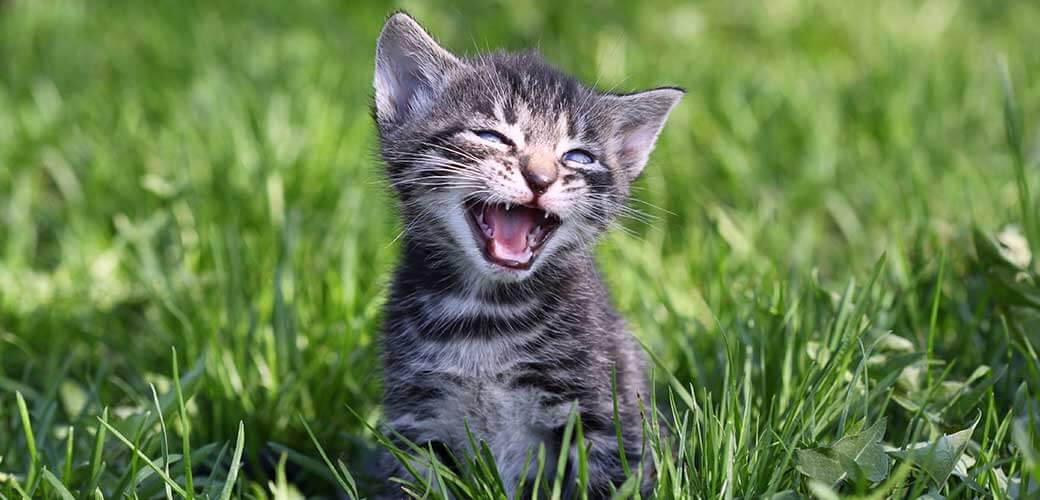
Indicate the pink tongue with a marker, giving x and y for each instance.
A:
(509, 241)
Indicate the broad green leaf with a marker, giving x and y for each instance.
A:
(1005, 277)
(816, 464)
(965, 462)
(865, 450)
(940, 457)
(853, 455)
(988, 251)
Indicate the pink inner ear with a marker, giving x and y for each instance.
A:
(637, 143)
(640, 119)
(642, 138)
(409, 66)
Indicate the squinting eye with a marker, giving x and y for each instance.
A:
(578, 156)
(491, 136)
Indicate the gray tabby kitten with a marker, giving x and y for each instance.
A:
(507, 171)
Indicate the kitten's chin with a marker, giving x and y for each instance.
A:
(510, 238)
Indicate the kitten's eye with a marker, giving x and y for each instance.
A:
(579, 156)
(491, 136)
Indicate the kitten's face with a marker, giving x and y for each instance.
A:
(501, 162)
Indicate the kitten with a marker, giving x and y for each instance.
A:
(507, 171)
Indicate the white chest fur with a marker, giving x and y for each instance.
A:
(512, 421)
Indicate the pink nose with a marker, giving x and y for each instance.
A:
(540, 172)
(538, 182)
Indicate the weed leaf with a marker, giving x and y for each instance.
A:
(940, 457)
(854, 455)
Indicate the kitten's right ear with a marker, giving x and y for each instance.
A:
(411, 68)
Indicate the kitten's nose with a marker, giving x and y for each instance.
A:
(540, 172)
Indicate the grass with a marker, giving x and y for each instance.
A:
(195, 241)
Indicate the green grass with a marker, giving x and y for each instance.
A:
(819, 283)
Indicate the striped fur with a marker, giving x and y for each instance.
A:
(506, 351)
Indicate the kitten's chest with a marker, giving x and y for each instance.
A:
(487, 382)
(512, 421)
(494, 405)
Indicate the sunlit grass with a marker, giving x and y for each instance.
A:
(822, 252)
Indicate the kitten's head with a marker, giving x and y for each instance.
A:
(501, 162)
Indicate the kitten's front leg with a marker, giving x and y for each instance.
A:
(419, 431)
(605, 470)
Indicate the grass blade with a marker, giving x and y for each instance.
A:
(189, 483)
(30, 442)
(343, 483)
(236, 460)
(56, 485)
(138, 453)
(70, 442)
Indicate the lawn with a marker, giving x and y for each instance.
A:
(832, 268)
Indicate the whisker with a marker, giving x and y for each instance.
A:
(464, 154)
(651, 205)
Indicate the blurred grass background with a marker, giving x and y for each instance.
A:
(203, 175)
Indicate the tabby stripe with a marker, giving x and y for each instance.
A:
(477, 326)
(455, 306)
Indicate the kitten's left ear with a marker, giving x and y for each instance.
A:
(638, 121)
(411, 68)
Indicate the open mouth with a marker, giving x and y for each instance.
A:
(510, 235)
